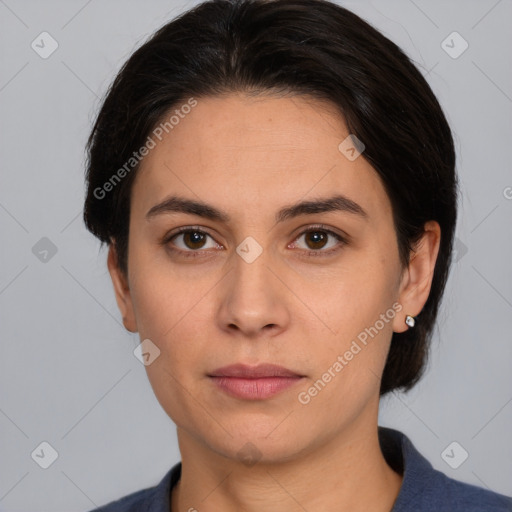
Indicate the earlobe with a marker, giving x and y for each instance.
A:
(121, 290)
(417, 279)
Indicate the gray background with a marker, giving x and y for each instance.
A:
(68, 375)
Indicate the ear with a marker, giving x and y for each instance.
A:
(417, 277)
(122, 290)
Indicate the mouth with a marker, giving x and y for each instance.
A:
(254, 382)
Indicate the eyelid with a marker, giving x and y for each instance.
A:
(342, 239)
(185, 229)
(323, 227)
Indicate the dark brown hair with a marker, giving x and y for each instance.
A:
(308, 47)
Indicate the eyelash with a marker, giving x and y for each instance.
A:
(197, 253)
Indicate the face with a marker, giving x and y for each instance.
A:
(255, 240)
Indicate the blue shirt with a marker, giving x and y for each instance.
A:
(424, 489)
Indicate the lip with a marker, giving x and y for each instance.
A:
(254, 382)
(253, 372)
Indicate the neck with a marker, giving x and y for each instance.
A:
(347, 473)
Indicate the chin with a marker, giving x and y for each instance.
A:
(251, 443)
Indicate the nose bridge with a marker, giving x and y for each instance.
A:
(253, 298)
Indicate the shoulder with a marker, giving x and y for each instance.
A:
(425, 489)
(138, 501)
(441, 493)
(151, 499)
(458, 495)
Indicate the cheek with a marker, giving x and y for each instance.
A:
(160, 296)
(162, 311)
(349, 365)
(174, 312)
(354, 295)
(173, 322)
(359, 308)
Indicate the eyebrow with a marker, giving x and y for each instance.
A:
(338, 203)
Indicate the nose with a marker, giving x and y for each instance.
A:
(254, 302)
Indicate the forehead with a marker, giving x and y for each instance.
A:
(253, 154)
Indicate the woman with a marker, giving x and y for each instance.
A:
(276, 184)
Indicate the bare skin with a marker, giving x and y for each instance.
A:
(299, 304)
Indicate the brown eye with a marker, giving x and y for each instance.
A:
(194, 239)
(319, 240)
(190, 240)
(316, 239)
